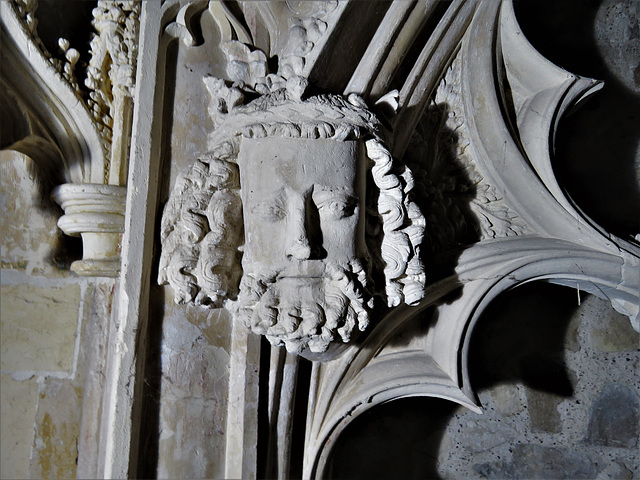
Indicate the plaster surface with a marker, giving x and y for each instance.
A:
(39, 327)
(30, 238)
(194, 390)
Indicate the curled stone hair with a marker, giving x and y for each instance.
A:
(201, 228)
(200, 231)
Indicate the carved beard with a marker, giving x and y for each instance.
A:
(299, 311)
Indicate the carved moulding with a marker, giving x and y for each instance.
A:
(92, 137)
(504, 109)
(423, 351)
(95, 212)
(55, 112)
(433, 362)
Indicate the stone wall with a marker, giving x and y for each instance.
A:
(47, 319)
(557, 378)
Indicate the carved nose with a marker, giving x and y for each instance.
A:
(299, 247)
(299, 242)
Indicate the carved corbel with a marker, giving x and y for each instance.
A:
(325, 211)
(367, 213)
(96, 213)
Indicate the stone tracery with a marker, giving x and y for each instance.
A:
(496, 216)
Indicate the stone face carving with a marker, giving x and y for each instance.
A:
(304, 239)
(326, 213)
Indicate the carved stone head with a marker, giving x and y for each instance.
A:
(325, 219)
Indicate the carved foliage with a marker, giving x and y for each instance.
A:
(248, 68)
(27, 12)
(459, 205)
(111, 71)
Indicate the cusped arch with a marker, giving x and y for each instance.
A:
(50, 99)
(435, 360)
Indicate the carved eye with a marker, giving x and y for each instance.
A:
(270, 211)
(337, 208)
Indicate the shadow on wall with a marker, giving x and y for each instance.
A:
(445, 188)
(597, 156)
(520, 339)
(400, 439)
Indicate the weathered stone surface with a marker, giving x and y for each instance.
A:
(534, 461)
(57, 428)
(617, 470)
(506, 399)
(28, 227)
(619, 19)
(39, 327)
(614, 418)
(549, 416)
(18, 400)
(571, 341)
(503, 470)
(195, 368)
(543, 411)
(617, 334)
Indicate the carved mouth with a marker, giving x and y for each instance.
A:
(304, 270)
(299, 276)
